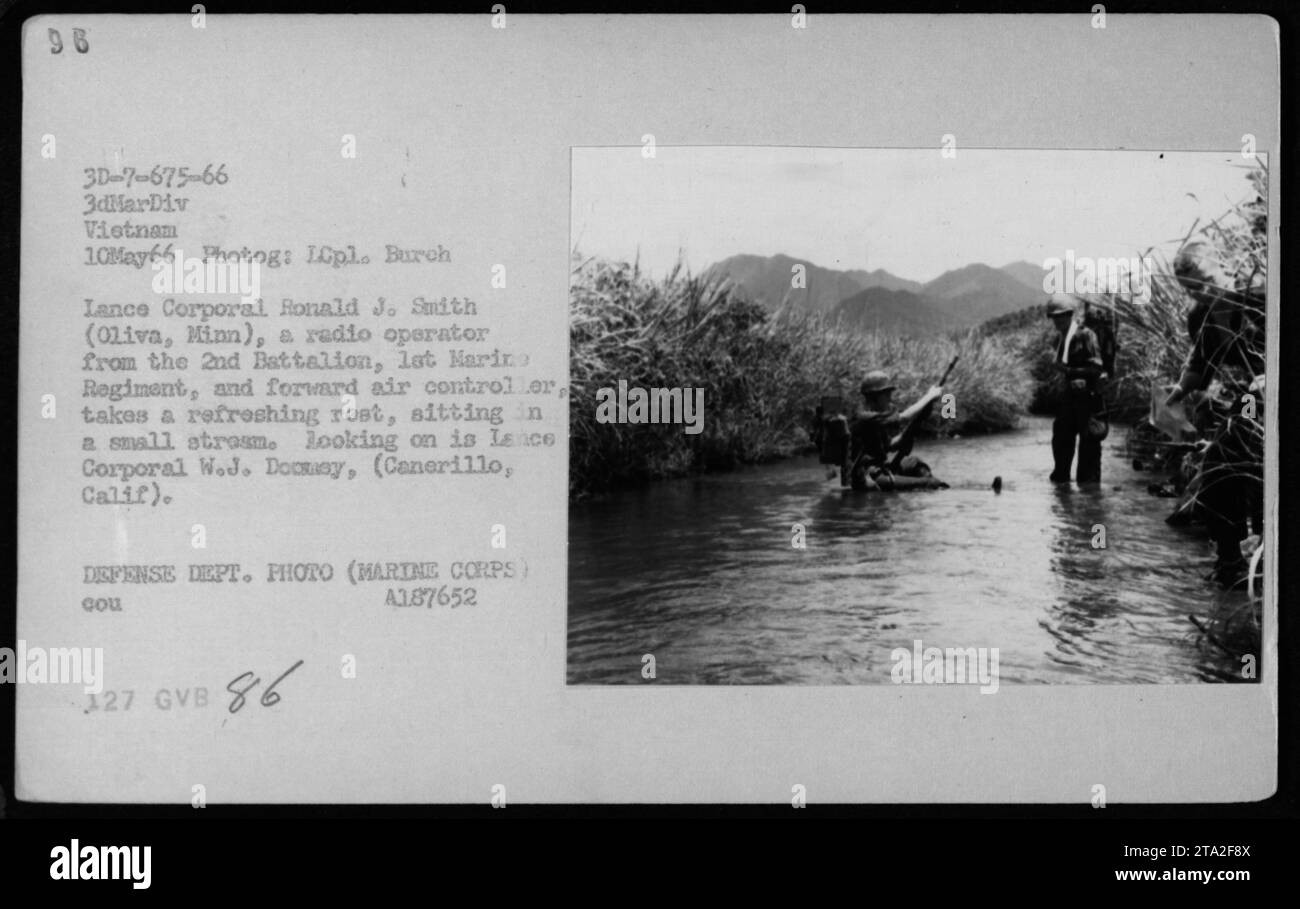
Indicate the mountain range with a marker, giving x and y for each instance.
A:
(880, 301)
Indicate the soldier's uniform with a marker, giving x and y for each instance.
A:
(870, 435)
(1226, 327)
(1081, 405)
(1231, 494)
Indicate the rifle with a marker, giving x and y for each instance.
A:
(943, 379)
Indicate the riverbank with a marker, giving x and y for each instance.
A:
(763, 374)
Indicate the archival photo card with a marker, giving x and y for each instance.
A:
(502, 409)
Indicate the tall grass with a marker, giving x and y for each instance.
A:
(1227, 260)
(990, 385)
(1154, 340)
(762, 373)
(1153, 337)
(1127, 394)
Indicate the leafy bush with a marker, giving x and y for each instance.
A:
(762, 373)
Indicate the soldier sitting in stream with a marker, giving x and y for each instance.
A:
(881, 437)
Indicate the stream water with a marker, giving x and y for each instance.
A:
(701, 573)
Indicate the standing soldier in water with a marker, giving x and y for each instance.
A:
(1078, 356)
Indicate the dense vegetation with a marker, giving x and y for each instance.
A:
(1152, 337)
(762, 372)
(1028, 331)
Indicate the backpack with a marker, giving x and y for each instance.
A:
(831, 431)
(1103, 321)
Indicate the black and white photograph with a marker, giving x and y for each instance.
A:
(871, 416)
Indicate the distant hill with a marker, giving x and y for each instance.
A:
(892, 311)
(1029, 317)
(976, 293)
(1027, 273)
(882, 278)
(881, 301)
(768, 278)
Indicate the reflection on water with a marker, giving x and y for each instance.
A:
(701, 573)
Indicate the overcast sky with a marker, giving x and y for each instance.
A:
(911, 212)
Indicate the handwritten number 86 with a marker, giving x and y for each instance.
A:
(270, 697)
(78, 41)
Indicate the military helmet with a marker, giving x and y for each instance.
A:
(876, 381)
(1058, 305)
(1198, 269)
